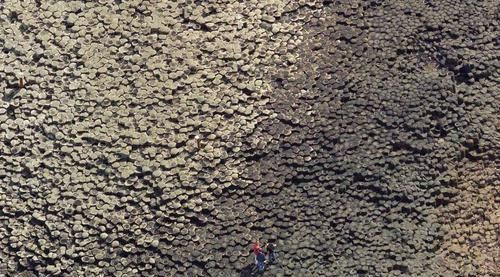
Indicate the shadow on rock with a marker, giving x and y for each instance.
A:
(250, 270)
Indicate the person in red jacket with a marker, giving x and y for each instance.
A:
(260, 256)
(256, 249)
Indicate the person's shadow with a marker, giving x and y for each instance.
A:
(250, 271)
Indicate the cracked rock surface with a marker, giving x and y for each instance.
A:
(161, 138)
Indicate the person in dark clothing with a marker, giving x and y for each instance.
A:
(261, 261)
(270, 252)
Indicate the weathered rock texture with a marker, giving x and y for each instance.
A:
(160, 138)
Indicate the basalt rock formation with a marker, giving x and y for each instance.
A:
(161, 138)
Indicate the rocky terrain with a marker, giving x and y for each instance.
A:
(160, 138)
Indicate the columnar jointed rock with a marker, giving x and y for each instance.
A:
(160, 138)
